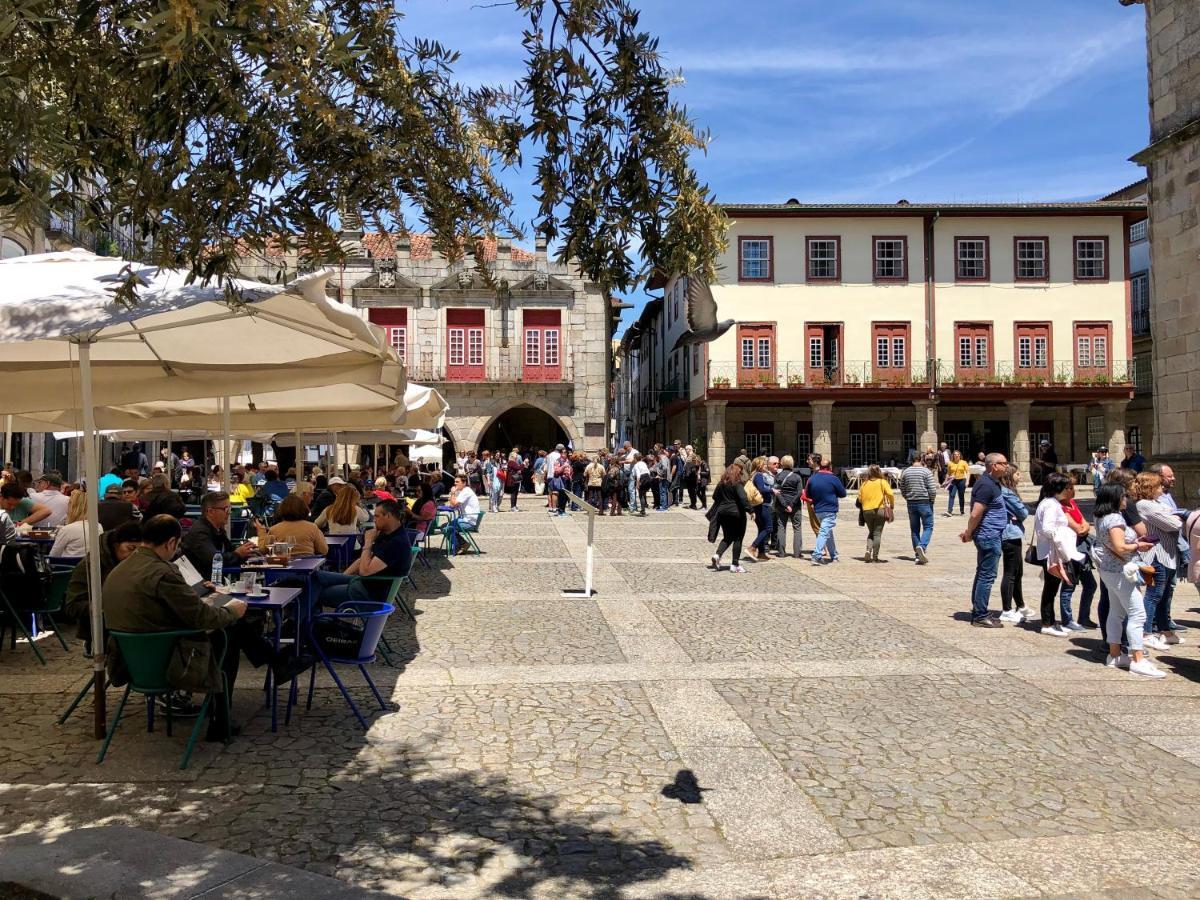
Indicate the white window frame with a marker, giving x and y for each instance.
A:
(1139, 231)
(899, 352)
(1084, 351)
(533, 346)
(474, 346)
(458, 347)
(747, 353)
(823, 251)
(398, 340)
(981, 352)
(980, 260)
(816, 354)
(551, 354)
(883, 352)
(898, 261)
(763, 357)
(1023, 258)
(760, 257)
(964, 352)
(1091, 252)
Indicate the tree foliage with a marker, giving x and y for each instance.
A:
(213, 127)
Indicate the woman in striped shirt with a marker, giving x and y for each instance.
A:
(1162, 528)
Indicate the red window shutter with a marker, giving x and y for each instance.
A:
(466, 350)
(541, 345)
(756, 354)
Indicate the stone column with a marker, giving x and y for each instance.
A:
(1114, 426)
(822, 428)
(1018, 434)
(717, 454)
(927, 430)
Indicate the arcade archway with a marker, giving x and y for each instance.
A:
(523, 426)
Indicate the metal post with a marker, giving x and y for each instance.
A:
(7, 441)
(227, 462)
(589, 558)
(91, 474)
(336, 456)
(299, 451)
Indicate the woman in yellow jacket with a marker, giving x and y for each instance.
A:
(957, 472)
(876, 498)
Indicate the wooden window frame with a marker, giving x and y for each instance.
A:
(1091, 279)
(1092, 370)
(959, 278)
(1033, 368)
(1017, 276)
(750, 375)
(836, 277)
(888, 331)
(902, 278)
(974, 370)
(770, 276)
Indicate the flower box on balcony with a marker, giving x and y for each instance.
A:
(795, 381)
(721, 381)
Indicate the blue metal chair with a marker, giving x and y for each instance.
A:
(373, 617)
(454, 529)
(146, 656)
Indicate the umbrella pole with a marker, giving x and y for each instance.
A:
(336, 454)
(299, 458)
(92, 479)
(7, 440)
(227, 454)
(170, 468)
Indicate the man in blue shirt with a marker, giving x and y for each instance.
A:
(1133, 459)
(824, 490)
(985, 527)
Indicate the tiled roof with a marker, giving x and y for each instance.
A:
(906, 208)
(380, 245)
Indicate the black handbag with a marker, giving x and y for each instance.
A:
(192, 668)
(1031, 556)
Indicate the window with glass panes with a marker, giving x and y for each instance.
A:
(1095, 432)
(1033, 346)
(1137, 231)
(1091, 258)
(823, 262)
(974, 343)
(891, 258)
(891, 347)
(754, 258)
(1032, 259)
(971, 258)
(1092, 342)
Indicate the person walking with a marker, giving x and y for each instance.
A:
(918, 487)
(515, 473)
(594, 477)
(825, 489)
(985, 528)
(1056, 546)
(703, 477)
(731, 507)
(789, 510)
(957, 471)
(1162, 529)
(764, 482)
(1012, 550)
(614, 481)
(877, 501)
(1117, 559)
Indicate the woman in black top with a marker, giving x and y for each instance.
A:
(730, 508)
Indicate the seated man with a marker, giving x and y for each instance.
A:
(146, 593)
(466, 502)
(387, 551)
(21, 507)
(273, 488)
(47, 490)
(113, 511)
(207, 537)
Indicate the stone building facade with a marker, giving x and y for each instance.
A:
(527, 364)
(1172, 160)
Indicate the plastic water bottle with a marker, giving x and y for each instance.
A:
(218, 569)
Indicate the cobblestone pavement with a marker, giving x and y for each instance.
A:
(851, 734)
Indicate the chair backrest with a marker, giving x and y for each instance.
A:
(146, 656)
(373, 624)
(60, 579)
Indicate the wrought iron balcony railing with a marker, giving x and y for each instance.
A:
(919, 374)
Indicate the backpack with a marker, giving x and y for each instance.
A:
(24, 573)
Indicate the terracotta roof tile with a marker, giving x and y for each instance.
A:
(381, 246)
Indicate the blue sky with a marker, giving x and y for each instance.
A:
(875, 100)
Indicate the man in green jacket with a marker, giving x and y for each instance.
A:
(146, 593)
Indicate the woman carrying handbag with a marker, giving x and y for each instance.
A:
(877, 500)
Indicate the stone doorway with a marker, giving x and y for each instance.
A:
(524, 427)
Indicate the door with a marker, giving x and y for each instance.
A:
(864, 443)
(542, 345)
(957, 436)
(464, 345)
(1033, 349)
(760, 439)
(823, 352)
(756, 354)
(1039, 430)
(394, 323)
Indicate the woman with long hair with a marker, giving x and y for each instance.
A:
(1117, 549)
(764, 481)
(731, 507)
(424, 508)
(1125, 478)
(293, 526)
(1162, 529)
(876, 498)
(344, 515)
(71, 539)
(1056, 547)
(1012, 549)
(957, 472)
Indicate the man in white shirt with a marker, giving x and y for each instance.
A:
(48, 491)
(630, 456)
(465, 500)
(636, 492)
(551, 467)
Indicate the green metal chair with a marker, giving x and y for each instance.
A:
(146, 656)
(466, 532)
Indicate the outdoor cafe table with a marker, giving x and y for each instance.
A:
(277, 599)
(304, 567)
(340, 548)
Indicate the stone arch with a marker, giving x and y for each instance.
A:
(558, 413)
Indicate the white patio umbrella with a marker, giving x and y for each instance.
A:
(426, 453)
(69, 346)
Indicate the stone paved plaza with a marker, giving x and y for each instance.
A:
(852, 736)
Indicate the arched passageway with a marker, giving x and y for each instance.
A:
(525, 427)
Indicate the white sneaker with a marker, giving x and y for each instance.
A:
(1055, 631)
(1147, 668)
(1154, 642)
(1170, 637)
(1027, 614)
(921, 557)
(1117, 662)
(737, 570)
(869, 555)
(715, 561)
(1010, 615)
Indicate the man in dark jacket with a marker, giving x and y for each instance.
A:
(206, 538)
(113, 511)
(789, 510)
